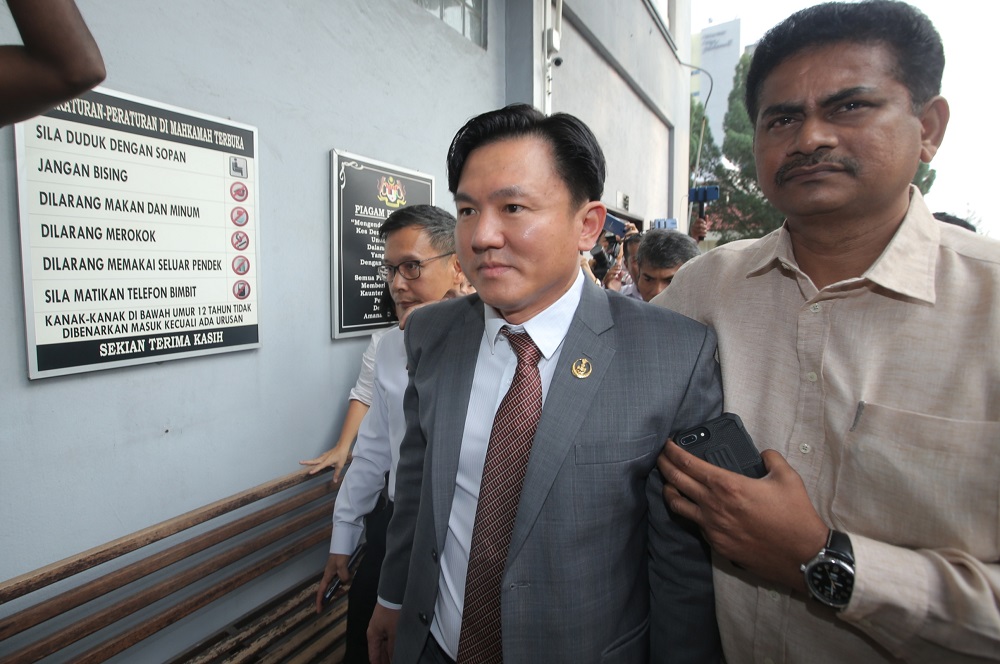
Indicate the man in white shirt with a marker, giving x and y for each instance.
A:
(420, 267)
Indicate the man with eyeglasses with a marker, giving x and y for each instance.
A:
(419, 267)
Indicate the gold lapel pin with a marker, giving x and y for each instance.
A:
(582, 368)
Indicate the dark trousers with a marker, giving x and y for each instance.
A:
(361, 598)
(433, 654)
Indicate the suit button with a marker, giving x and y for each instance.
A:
(423, 617)
(434, 555)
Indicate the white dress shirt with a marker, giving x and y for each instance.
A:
(377, 449)
(363, 389)
(630, 290)
(495, 367)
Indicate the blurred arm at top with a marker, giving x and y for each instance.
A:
(58, 60)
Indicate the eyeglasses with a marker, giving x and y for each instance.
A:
(409, 269)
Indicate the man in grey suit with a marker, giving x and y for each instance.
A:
(542, 535)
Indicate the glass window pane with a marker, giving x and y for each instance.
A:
(474, 28)
(452, 13)
(433, 6)
(468, 17)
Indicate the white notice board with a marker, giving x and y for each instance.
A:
(139, 234)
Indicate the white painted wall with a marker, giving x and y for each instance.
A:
(90, 457)
(622, 77)
(87, 458)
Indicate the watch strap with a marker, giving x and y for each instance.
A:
(839, 544)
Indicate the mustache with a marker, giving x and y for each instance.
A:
(849, 166)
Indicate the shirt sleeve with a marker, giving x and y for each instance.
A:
(683, 626)
(363, 389)
(364, 478)
(925, 605)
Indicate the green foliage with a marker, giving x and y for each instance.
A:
(742, 211)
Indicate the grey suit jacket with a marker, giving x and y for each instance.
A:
(598, 570)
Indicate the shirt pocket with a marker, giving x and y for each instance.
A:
(919, 481)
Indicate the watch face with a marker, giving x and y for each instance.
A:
(832, 582)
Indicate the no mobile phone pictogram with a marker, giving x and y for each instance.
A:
(239, 191)
(241, 290)
(239, 216)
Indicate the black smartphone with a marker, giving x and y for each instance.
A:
(724, 442)
(331, 589)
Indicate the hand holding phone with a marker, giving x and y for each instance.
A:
(334, 586)
(724, 442)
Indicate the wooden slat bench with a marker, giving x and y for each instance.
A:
(119, 608)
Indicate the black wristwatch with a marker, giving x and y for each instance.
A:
(830, 575)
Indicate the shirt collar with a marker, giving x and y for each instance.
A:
(547, 328)
(906, 266)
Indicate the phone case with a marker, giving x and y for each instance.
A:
(724, 442)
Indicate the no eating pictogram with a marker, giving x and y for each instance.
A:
(239, 216)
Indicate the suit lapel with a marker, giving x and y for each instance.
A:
(457, 372)
(566, 401)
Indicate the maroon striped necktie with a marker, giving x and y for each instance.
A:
(513, 430)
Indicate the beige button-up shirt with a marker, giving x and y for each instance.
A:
(883, 392)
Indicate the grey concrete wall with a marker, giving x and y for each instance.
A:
(623, 78)
(87, 458)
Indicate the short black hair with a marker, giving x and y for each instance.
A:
(904, 29)
(578, 157)
(629, 245)
(661, 249)
(437, 223)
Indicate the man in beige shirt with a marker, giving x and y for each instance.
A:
(859, 343)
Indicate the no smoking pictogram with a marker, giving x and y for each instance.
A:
(240, 240)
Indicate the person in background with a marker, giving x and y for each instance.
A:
(628, 279)
(956, 221)
(620, 277)
(699, 228)
(661, 253)
(420, 268)
(358, 403)
(57, 61)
